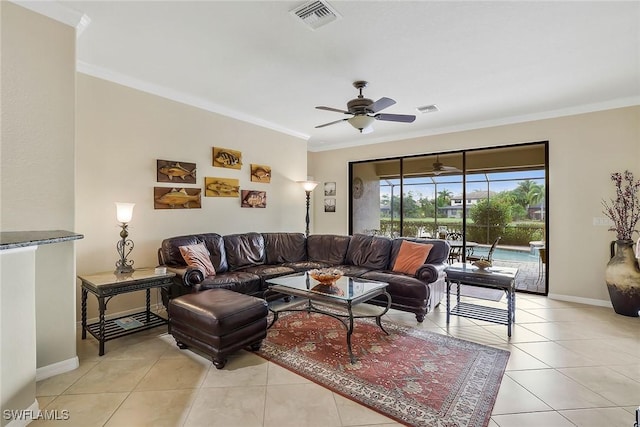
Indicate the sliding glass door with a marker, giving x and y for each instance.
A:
(480, 197)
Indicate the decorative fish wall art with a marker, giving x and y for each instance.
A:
(176, 198)
(227, 158)
(254, 199)
(176, 172)
(221, 187)
(260, 173)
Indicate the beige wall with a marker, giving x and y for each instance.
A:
(37, 174)
(17, 330)
(583, 151)
(121, 132)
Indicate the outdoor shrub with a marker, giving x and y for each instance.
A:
(515, 234)
(521, 235)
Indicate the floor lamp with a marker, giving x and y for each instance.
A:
(308, 188)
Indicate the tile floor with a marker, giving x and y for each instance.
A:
(570, 365)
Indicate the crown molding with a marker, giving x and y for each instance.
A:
(184, 98)
(317, 146)
(58, 12)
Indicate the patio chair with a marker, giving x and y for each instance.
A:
(489, 255)
(456, 251)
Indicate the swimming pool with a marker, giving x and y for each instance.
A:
(507, 254)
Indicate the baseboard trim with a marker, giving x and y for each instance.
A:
(588, 301)
(57, 368)
(32, 410)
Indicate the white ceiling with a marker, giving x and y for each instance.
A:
(482, 63)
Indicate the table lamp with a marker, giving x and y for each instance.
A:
(124, 213)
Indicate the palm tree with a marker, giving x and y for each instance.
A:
(529, 193)
(444, 198)
(535, 194)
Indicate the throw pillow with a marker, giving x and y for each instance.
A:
(410, 257)
(198, 256)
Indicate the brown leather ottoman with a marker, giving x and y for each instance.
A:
(218, 322)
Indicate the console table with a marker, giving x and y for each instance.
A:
(109, 284)
(503, 278)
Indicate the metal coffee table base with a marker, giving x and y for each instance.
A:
(311, 308)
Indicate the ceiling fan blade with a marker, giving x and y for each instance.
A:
(331, 123)
(404, 118)
(380, 105)
(337, 110)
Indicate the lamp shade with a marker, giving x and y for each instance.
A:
(124, 211)
(308, 185)
(361, 122)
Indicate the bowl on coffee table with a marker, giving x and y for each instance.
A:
(326, 276)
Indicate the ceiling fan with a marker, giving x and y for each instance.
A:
(439, 168)
(364, 111)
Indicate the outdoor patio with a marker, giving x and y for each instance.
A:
(528, 278)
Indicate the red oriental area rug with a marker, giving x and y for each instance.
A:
(416, 377)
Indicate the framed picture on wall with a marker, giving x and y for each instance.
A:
(227, 158)
(330, 205)
(221, 187)
(173, 171)
(176, 198)
(329, 189)
(260, 173)
(254, 199)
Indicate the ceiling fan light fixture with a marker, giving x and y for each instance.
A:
(362, 123)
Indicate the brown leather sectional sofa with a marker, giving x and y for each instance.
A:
(244, 261)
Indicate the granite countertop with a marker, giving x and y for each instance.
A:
(19, 239)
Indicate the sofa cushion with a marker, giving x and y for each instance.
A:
(352, 270)
(244, 250)
(284, 247)
(327, 249)
(401, 285)
(198, 256)
(267, 271)
(238, 281)
(170, 250)
(215, 244)
(411, 256)
(306, 265)
(438, 254)
(369, 251)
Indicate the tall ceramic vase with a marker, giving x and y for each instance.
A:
(623, 279)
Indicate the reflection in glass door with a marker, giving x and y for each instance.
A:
(375, 198)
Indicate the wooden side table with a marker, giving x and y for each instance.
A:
(109, 284)
(503, 278)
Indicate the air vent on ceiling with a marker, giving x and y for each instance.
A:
(316, 13)
(428, 108)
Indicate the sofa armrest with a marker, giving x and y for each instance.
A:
(429, 273)
(191, 276)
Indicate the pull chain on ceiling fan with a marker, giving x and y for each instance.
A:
(363, 111)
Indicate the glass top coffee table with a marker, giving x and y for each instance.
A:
(346, 293)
